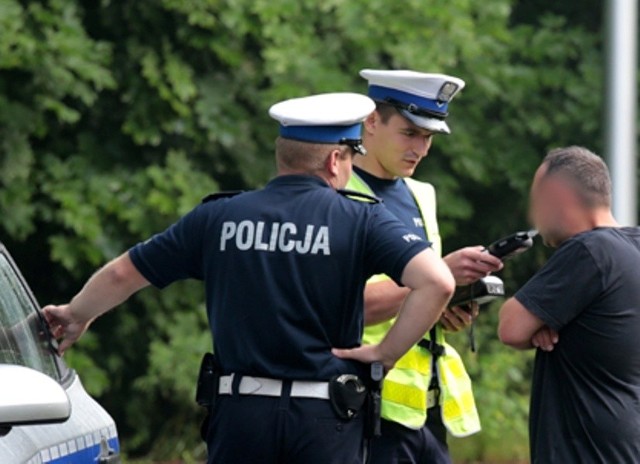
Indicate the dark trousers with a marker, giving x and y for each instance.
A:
(263, 430)
(401, 445)
(436, 426)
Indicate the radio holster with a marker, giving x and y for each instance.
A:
(374, 401)
(207, 389)
(208, 381)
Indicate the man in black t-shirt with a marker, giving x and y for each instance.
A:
(582, 312)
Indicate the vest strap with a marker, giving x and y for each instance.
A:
(435, 348)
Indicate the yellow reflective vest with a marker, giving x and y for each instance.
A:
(405, 388)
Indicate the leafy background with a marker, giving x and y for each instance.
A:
(117, 117)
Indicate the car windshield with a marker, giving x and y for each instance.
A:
(22, 338)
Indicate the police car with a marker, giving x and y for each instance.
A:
(46, 416)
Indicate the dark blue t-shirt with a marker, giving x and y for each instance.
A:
(284, 271)
(398, 199)
(585, 403)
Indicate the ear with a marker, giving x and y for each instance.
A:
(331, 164)
(371, 123)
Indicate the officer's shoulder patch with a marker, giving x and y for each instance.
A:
(359, 196)
(220, 195)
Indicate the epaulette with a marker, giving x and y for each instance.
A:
(219, 195)
(359, 196)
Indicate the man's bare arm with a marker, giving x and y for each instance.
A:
(382, 300)
(518, 325)
(108, 287)
(431, 285)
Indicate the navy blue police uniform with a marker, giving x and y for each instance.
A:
(427, 444)
(284, 270)
(423, 99)
(398, 199)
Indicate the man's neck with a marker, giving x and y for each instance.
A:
(371, 165)
(320, 175)
(601, 217)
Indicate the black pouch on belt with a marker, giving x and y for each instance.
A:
(347, 394)
(208, 381)
(374, 401)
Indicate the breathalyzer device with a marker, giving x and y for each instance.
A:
(512, 245)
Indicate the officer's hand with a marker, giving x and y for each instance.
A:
(64, 326)
(458, 318)
(470, 264)
(366, 354)
(545, 339)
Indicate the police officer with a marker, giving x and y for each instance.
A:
(429, 391)
(284, 270)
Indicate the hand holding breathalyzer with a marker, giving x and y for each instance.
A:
(488, 288)
(471, 263)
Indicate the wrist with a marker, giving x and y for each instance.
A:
(77, 314)
(386, 356)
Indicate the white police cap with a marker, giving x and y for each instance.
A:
(325, 118)
(422, 98)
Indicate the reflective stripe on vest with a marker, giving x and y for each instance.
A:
(404, 393)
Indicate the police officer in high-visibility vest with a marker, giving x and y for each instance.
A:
(429, 391)
(284, 270)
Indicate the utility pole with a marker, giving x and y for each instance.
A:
(621, 105)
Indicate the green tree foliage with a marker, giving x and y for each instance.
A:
(117, 117)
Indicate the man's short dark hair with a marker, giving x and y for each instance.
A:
(586, 170)
(385, 110)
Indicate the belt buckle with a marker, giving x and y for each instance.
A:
(249, 385)
(433, 397)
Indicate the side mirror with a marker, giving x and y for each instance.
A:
(30, 397)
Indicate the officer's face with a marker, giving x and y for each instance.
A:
(346, 168)
(398, 145)
(343, 167)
